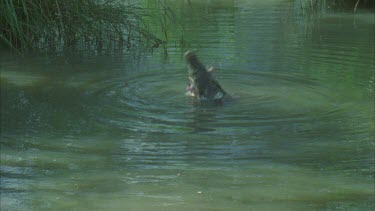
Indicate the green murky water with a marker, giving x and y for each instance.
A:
(116, 132)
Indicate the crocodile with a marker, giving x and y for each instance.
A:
(202, 85)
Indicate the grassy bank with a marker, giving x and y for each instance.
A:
(44, 25)
(56, 24)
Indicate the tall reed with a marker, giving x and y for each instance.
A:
(55, 24)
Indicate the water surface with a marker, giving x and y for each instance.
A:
(88, 131)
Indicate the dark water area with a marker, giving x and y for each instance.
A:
(90, 131)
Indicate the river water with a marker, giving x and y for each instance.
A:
(90, 131)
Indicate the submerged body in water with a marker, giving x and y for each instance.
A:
(202, 84)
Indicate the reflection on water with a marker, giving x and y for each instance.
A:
(117, 132)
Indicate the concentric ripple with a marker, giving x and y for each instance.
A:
(154, 101)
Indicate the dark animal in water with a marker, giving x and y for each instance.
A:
(201, 83)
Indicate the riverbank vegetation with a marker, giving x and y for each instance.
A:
(51, 24)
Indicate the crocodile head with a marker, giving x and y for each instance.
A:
(201, 83)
